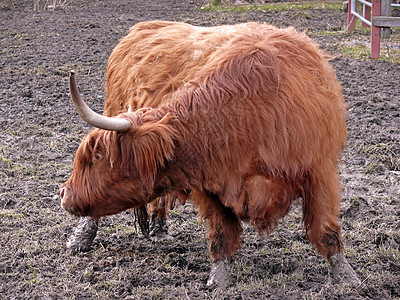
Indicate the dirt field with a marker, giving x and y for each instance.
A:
(40, 132)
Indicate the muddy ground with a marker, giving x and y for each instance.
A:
(40, 132)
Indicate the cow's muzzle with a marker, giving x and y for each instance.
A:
(65, 196)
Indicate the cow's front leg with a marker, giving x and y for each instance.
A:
(83, 235)
(224, 234)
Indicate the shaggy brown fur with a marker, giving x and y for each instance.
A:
(257, 121)
(154, 60)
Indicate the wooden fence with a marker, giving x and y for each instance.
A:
(376, 14)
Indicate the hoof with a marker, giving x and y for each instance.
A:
(343, 273)
(219, 275)
(83, 235)
(159, 230)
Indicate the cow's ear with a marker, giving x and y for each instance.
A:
(151, 147)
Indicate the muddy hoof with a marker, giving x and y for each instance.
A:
(159, 230)
(160, 233)
(219, 275)
(343, 273)
(83, 235)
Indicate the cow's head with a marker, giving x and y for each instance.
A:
(116, 163)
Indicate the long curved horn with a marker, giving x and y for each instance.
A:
(89, 115)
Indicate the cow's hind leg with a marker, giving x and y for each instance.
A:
(224, 235)
(152, 220)
(321, 209)
(158, 212)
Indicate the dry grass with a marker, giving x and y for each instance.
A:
(49, 4)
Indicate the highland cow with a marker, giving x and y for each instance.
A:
(252, 118)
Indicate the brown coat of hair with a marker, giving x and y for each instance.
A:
(251, 118)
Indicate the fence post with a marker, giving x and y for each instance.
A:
(385, 11)
(351, 19)
(375, 31)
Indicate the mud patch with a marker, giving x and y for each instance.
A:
(40, 132)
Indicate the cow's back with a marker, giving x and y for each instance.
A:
(156, 58)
